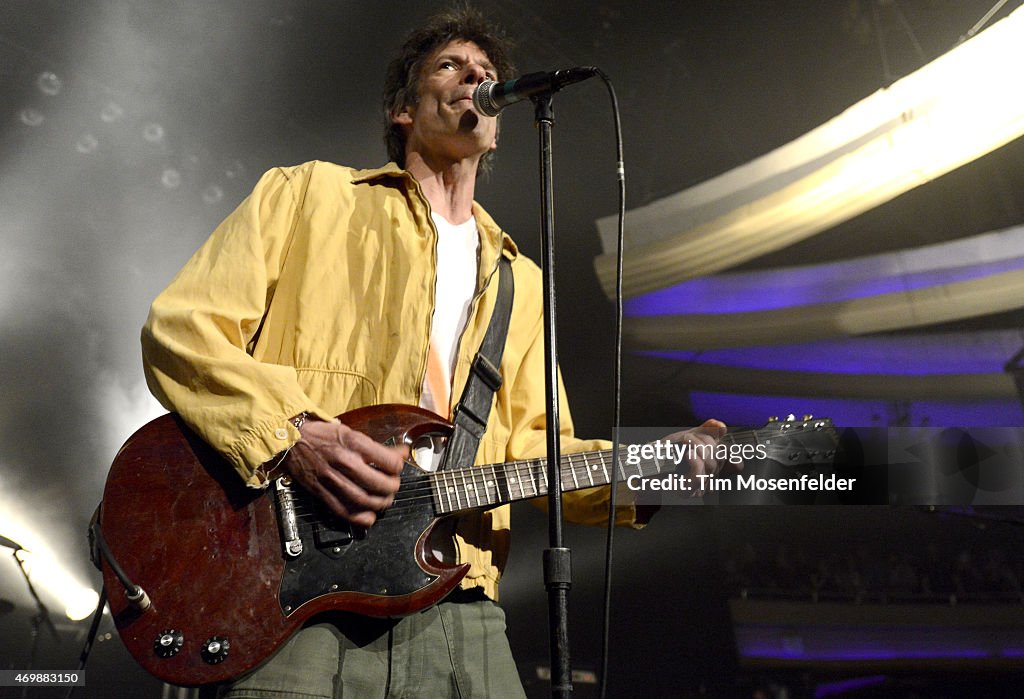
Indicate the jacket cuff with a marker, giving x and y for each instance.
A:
(263, 446)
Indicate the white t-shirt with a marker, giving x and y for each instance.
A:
(457, 252)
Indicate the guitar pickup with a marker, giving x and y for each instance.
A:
(328, 536)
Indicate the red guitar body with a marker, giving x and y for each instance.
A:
(209, 552)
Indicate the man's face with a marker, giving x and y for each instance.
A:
(444, 124)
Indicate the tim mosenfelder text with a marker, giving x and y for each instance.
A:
(663, 451)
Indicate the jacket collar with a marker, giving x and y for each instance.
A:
(389, 170)
(485, 224)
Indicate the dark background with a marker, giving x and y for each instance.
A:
(163, 115)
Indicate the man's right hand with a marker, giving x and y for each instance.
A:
(352, 474)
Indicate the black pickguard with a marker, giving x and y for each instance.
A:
(337, 557)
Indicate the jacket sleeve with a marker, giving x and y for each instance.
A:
(196, 341)
(528, 440)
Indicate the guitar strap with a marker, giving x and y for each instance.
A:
(470, 415)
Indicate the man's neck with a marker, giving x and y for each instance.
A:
(449, 188)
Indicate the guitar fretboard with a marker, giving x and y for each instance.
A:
(495, 484)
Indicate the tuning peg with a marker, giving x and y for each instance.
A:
(790, 418)
(773, 418)
(808, 416)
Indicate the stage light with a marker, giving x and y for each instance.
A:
(49, 84)
(170, 178)
(111, 112)
(898, 290)
(963, 259)
(51, 579)
(153, 132)
(87, 144)
(81, 603)
(234, 169)
(30, 116)
(954, 110)
(213, 194)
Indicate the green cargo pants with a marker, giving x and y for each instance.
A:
(454, 649)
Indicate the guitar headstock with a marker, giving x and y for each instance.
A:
(807, 441)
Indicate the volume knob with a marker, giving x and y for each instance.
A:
(215, 649)
(168, 642)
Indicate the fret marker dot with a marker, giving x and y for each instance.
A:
(451, 489)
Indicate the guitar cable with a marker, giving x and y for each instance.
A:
(90, 638)
(137, 597)
(620, 171)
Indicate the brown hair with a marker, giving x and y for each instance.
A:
(401, 86)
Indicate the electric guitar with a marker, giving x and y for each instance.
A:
(232, 572)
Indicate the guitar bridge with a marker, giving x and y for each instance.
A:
(286, 519)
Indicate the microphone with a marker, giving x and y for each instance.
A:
(491, 97)
(11, 544)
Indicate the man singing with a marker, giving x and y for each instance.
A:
(332, 288)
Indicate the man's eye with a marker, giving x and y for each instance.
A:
(448, 65)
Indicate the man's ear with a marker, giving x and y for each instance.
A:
(402, 116)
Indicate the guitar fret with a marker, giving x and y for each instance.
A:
(509, 481)
(543, 474)
(442, 483)
(480, 486)
(458, 490)
(587, 469)
(572, 472)
(470, 488)
(455, 490)
(435, 490)
(449, 488)
(473, 485)
(488, 483)
(467, 486)
(606, 459)
(657, 466)
(515, 480)
(492, 485)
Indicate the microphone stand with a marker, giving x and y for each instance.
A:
(42, 617)
(557, 559)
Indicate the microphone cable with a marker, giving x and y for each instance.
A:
(620, 171)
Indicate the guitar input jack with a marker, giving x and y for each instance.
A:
(136, 596)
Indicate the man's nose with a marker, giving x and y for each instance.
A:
(475, 74)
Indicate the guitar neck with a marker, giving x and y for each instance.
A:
(476, 487)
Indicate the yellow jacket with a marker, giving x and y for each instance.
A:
(317, 295)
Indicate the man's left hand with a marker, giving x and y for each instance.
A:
(703, 441)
